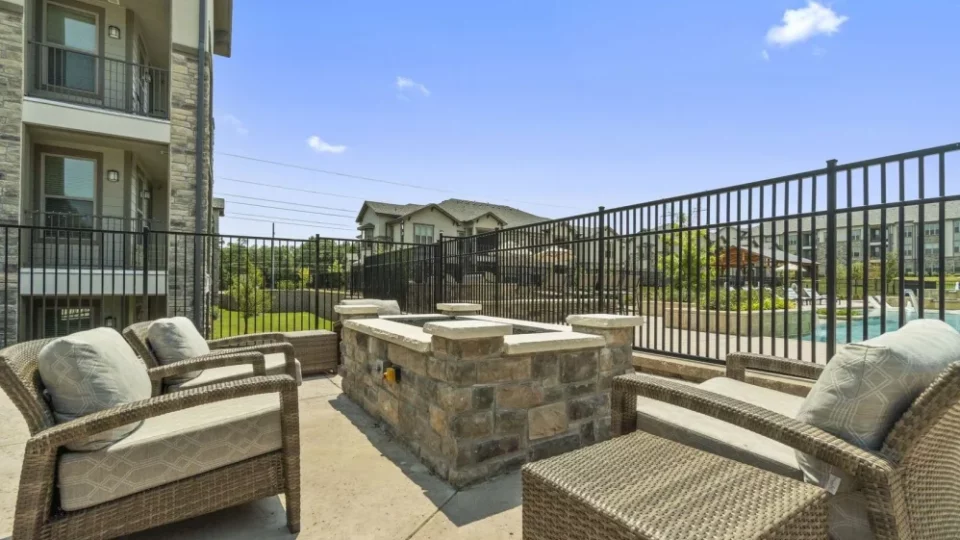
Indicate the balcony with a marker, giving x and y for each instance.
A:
(73, 76)
(84, 241)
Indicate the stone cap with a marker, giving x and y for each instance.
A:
(459, 307)
(356, 309)
(404, 335)
(460, 329)
(604, 321)
(550, 341)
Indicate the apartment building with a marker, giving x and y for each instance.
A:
(867, 236)
(106, 144)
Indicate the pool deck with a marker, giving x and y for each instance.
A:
(665, 340)
(357, 483)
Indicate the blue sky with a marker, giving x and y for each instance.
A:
(559, 107)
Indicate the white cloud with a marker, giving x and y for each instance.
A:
(764, 54)
(322, 147)
(406, 83)
(804, 23)
(236, 124)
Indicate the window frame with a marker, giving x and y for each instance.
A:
(94, 200)
(99, 15)
(416, 237)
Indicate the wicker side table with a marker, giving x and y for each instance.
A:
(315, 349)
(642, 487)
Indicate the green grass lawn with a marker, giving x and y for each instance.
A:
(231, 323)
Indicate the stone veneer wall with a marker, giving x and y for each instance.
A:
(183, 176)
(470, 412)
(11, 103)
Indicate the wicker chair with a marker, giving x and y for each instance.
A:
(912, 487)
(271, 344)
(38, 513)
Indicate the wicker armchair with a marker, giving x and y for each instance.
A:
(279, 355)
(912, 487)
(39, 514)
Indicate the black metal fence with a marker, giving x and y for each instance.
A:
(789, 266)
(59, 280)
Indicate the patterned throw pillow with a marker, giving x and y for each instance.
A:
(92, 371)
(861, 394)
(176, 339)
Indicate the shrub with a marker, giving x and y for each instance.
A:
(287, 284)
(743, 301)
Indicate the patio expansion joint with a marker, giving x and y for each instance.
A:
(432, 515)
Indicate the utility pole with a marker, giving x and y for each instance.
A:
(273, 256)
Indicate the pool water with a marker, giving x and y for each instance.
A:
(855, 329)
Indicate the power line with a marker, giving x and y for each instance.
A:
(334, 173)
(347, 210)
(311, 212)
(306, 222)
(370, 179)
(228, 179)
(304, 225)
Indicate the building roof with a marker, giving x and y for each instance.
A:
(457, 209)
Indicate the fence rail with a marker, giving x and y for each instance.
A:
(790, 266)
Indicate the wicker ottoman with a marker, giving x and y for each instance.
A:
(315, 349)
(643, 487)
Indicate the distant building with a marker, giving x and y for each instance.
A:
(425, 223)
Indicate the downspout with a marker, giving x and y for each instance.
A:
(199, 170)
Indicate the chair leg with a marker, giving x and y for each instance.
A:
(293, 509)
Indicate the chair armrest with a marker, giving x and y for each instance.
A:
(869, 468)
(284, 347)
(122, 415)
(738, 363)
(245, 341)
(212, 360)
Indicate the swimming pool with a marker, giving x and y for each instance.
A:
(855, 329)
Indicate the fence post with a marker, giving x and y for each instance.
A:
(832, 257)
(496, 274)
(146, 262)
(316, 282)
(601, 264)
(438, 273)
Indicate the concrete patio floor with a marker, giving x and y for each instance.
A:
(356, 483)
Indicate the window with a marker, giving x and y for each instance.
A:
(856, 235)
(875, 252)
(389, 232)
(956, 236)
(68, 191)
(73, 47)
(931, 248)
(931, 229)
(422, 234)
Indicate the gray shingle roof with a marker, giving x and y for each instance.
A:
(462, 210)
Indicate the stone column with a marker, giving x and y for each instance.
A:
(616, 358)
(464, 411)
(184, 75)
(356, 311)
(455, 309)
(11, 102)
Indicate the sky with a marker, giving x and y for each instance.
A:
(560, 107)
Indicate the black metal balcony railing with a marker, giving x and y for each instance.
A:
(61, 239)
(74, 76)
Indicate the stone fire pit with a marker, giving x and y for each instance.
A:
(472, 399)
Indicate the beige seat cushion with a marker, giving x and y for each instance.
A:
(171, 447)
(276, 364)
(91, 371)
(175, 339)
(719, 437)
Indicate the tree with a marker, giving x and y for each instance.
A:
(304, 276)
(687, 260)
(247, 291)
